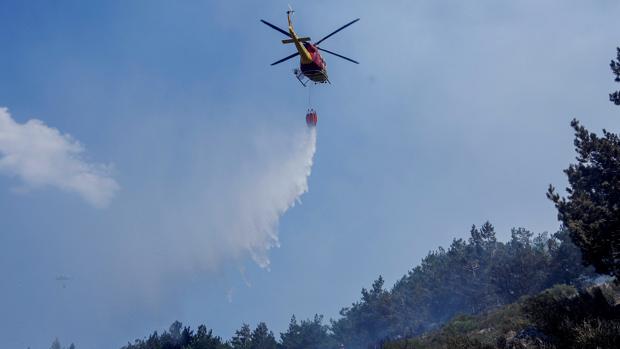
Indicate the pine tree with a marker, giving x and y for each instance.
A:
(242, 338)
(56, 344)
(262, 338)
(591, 212)
(311, 333)
(186, 336)
(615, 68)
(292, 338)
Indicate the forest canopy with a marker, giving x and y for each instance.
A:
(471, 276)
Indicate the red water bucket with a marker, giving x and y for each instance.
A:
(311, 118)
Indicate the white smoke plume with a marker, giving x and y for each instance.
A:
(40, 155)
(237, 211)
(276, 190)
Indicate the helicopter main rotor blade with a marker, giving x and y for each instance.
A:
(335, 31)
(337, 55)
(286, 58)
(276, 28)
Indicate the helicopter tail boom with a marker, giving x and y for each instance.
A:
(306, 57)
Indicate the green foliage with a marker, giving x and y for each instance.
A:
(472, 331)
(307, 334)
(597, 334)
(615, 68)
(475, 276)
(204, 339)
(559, 317)
(591, 212)
(179, 337)
(242, 338)
(56, 345)
(573, 319)
(366, 321)
(470, 277)
(262, 338)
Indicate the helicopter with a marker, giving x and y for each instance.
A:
(312, 66)
(62, 279)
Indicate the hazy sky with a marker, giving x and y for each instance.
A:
(148, 151)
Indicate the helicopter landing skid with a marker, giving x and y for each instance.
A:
(301, 77)
(304, 80)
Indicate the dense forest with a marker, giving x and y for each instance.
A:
(480, 288)
(469, 277)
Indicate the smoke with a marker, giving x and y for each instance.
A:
(240, 211)
(273, 192)
(200, 199)
(40, 155)
(199, 203)
(234, 211)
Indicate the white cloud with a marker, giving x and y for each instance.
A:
(40, 155)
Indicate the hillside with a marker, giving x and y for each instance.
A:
(479, 275)
(559, 317)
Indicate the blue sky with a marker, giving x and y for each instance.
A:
(458, 113)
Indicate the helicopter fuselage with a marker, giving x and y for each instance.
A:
(316, 69)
